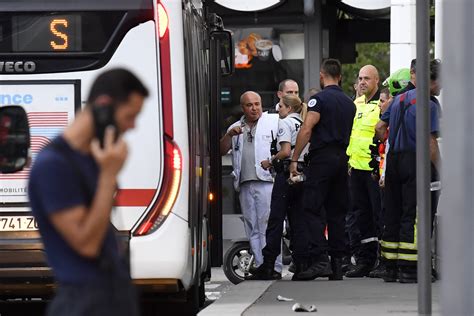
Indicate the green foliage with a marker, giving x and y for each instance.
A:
(377, 54)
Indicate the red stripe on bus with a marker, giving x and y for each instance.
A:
(134, 197)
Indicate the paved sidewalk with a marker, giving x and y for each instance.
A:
(354, 297)
(237, 299)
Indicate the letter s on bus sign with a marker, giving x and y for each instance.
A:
(61, 35)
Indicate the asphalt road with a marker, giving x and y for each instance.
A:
(36, 307)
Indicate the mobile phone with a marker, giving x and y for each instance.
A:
(104, 116)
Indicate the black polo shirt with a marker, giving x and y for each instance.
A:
(337, 115)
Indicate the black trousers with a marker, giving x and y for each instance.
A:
(286, 201)
(365, 193)
(399, 236)
(326, 188)
(352, 230)
(399, 240)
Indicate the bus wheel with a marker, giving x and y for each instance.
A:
(237, 261)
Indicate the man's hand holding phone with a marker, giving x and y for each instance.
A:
(112, 156)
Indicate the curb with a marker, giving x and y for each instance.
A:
(238, 299)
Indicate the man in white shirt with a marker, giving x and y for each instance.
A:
(250, 140)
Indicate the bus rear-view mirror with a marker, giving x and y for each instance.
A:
(227, 52)
(14, 139)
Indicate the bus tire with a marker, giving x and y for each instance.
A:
(237, 261)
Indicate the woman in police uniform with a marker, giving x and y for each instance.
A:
(286, 196)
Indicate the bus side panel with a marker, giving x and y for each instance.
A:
(165, 254)
(178, 84)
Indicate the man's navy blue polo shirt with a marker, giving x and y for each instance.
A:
(337, 116)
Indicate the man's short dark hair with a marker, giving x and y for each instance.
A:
(435, 65)
(413, 65)
(118, 84)
(332, 68)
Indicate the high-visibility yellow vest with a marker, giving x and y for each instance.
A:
(363, 132)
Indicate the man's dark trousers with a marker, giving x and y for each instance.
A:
(400, 213)
(286, 201)
(352, 230)
(366, 199)
(326, 188)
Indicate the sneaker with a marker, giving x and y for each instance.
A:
(359, 271)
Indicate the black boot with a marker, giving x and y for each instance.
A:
(320, 268)
(378, 271)
(346, 264)
(359, 271)
(390, 274)
(264, 272)
(407, 275)
(336, 266)
(299, 267)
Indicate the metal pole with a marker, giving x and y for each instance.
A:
(215, 183)
(457, 199)
(313, 49)
(423, 157)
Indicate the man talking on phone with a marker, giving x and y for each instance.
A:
(71, 190)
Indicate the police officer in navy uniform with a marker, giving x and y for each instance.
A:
(286, 196)
(328, 124)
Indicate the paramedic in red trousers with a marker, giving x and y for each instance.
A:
(328, 125)
(250, 140)
(363, 172)
(399, 244)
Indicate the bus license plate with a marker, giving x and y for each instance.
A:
(17, 223)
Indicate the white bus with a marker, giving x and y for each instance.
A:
(50, 52)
